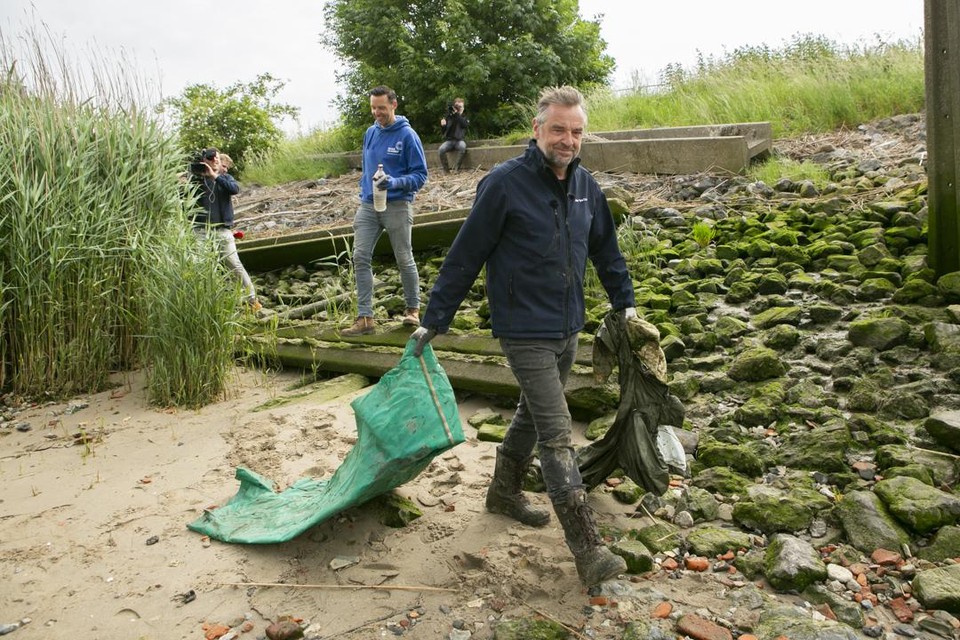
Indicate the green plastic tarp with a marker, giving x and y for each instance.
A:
(407, 418)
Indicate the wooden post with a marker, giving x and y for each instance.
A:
(942, 79)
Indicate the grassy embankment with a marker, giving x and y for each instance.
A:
(809, 85)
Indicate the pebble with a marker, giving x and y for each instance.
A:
(839, 573)
(905, 630)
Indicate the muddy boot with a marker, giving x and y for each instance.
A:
(595, 563)
(505, 495)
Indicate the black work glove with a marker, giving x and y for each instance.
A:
(386, 182)
(423, 336)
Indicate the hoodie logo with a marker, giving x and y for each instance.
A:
(396, 149)
(579, 199)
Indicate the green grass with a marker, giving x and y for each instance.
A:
(809, 85)
(776, 168)
(302, 158)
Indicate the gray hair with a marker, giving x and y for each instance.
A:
(566, 96)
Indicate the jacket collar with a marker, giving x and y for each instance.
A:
(535, 155)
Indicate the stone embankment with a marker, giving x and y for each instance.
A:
(818, 359)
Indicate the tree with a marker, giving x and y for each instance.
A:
(239, 120)
(497, 54)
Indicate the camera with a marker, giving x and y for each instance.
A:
(450, 109)
(199, 168)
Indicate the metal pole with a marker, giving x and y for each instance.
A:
(942, 80)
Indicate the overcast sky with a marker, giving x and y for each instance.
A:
(176, 43)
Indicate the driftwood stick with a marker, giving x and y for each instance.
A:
(381, 587)
(552, 619)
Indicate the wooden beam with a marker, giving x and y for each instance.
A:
(942, 79)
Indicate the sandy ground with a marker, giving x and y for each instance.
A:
(78, 521)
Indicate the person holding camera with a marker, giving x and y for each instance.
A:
(215, 191)
(454, 132)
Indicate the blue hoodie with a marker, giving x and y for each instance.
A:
(398, 148)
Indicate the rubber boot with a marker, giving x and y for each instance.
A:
(595, 563)
(505, 495)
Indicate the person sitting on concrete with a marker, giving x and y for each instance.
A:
(454, 132)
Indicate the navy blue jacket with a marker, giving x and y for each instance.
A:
(534, 238)
(215, 198)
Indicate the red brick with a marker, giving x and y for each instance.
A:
(885, 557)
(826, 611)
(662, 610)
(702, 629)
(669, 564)
(901, 609)
(696, 563)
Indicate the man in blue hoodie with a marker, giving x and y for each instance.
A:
(392, 142)
(535, 221)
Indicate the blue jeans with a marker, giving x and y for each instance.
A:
(542, 417)
(397, 221)
(450, 145)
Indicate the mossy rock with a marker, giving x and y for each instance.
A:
(486, 416)
(491, 432)
(598, 427)
(795, 623)
(822, 449)
(773, 513)
(792, 564)
(701, 504)
(944, 467)
(921, 507)
(944, 544)
(397, 511)
(756, 365)
(878, 333)
(740, 457)
(868, 524)
(782, 337)
(658, 537)
(635, 553)
(777, 316)
(714, 541)
(750, 564)
(722, 480)
(757, 412)
(628, 492)
(939, 588)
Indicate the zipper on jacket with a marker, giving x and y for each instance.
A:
(568, 259)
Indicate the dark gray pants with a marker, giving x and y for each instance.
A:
(542, 417)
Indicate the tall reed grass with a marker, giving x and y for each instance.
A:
(88, 194)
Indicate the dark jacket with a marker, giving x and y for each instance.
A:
(535, 239)
(456, 127)
(215, 200)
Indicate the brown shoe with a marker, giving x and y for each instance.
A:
(411, 318)
(362, 327)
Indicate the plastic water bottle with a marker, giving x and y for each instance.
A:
(379, 195)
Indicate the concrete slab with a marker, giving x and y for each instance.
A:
(471, 363)
(665, 150)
